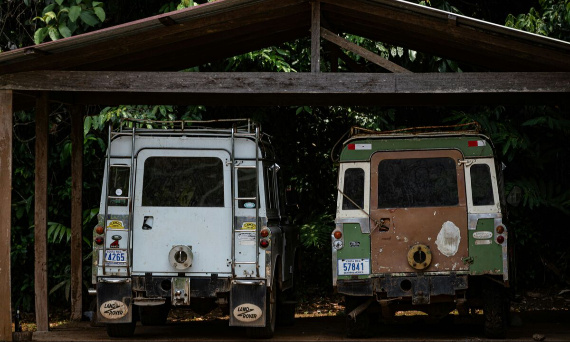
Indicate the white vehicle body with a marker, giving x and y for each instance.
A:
(191, 218)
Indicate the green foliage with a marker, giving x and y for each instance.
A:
(551, 19)
(63, 18)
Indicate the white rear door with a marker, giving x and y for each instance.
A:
(182, 197)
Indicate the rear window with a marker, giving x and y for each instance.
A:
(417, 182)
(183, 182)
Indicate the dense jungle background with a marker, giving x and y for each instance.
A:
(532, 141)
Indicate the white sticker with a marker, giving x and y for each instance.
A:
(118, 192)
(247, 312)
(246, 238)
(482, 235)
(482, 242)
(113, 309)
(448, 239)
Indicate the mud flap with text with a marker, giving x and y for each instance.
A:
(114, 301)
(247, 303)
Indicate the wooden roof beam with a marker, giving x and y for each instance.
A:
(359, 50)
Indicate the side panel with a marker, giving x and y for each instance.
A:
(486, 253)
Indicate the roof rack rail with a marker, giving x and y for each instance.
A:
(182, 125)
(476, 127)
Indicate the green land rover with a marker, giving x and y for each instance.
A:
(419, 226)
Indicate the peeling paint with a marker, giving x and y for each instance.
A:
(380, 250)
(448, 239)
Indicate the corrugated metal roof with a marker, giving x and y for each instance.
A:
(225, 28)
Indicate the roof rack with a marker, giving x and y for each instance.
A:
(476, 128)
(186, 125)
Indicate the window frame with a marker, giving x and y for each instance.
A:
(340, 213)
(481, 209)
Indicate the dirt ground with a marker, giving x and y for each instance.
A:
(536, 316)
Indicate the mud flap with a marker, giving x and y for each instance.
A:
(114, 301)
(247, 303)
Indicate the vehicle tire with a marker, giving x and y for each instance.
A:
(360, 327)
(495, 310)
(271, 305)
(154, 315)
(121, 329)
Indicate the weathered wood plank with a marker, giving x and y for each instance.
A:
(369, 55)
(315, 36)
(40, 217)
(5, 213)
(285, 83)
(295, 88)
(76, 211)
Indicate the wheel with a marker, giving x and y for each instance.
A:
(495, 310)
(271, 307)
(359, 327)
(121, 329)
(154, 315)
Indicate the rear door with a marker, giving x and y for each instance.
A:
(420, 198)
(182, 197)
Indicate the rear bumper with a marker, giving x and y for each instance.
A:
(417, 287)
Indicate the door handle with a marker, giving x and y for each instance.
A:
(148, 222)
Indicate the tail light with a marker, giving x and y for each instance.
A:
(263, 243)
(500, 239)
(500, 229)
(337, 234)
(99, 240)
(99, 230)
(264, 232)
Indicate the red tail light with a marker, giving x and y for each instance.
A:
(264, 232)
(99, 230)
(263, 243)
(337, 234)
(99, 240)
(500, 229)
(500, 239)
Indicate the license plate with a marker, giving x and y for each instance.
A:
(353, 266)
(115, 256)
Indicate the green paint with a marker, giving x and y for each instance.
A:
(487, 259)
(414, 142)
(352, 233)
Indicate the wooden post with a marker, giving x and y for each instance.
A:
(5, 213)
(316, 37)
(40, 218)
(76, 211)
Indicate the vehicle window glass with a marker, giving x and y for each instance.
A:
(481, 185)
(183, 182)
(119, 185)
(246, 187)
(353, 189)
(417, 182)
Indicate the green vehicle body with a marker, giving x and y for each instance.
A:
(419, 226)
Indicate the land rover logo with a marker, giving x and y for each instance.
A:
(247, 312)
(113, 309)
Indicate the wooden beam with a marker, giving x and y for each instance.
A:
(369, 55)
(76, 211)
(385, 89)
(5, 213)
(316, 37)
(40, 218)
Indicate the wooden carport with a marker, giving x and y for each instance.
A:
(138, 63)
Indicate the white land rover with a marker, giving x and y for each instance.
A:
(193, 217)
